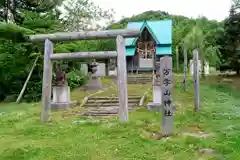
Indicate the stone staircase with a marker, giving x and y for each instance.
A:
(139, 79)
(107, 106)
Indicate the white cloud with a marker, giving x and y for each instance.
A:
(212, 9)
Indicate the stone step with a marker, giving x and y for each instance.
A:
(100, 109)
(136, 79)
(136, 82)
(141, 80)
(107, 104)
(133, 78)
(103, 111)
(112, 100)
(149, 76)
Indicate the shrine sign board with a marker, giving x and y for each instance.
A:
(166, 90)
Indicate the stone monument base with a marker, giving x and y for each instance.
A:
(61, 97)
(94, 83)
(157, 94)
(157, 100)
(157, 107)
(154, 107)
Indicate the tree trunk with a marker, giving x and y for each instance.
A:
(177, 60)
(26, 82)
(6, 7)
(238, 71)
(203, 68)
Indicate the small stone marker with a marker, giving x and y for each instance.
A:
(157, 94)
(185, 69)
(166, 87)
(157, 87)
(157, 101)
(196, 80)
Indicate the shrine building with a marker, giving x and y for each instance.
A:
(154, 42)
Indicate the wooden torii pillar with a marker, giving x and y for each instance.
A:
(119, 35)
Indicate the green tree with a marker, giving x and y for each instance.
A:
(230, 55)
(11, 10)
(84, 15)
(16, 58)
(207, 52)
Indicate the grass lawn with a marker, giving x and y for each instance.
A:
(24, 137)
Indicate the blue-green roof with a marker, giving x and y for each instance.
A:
(151, 32)
(160, 30)
(130, 51)
(133, 25)
(164, 50)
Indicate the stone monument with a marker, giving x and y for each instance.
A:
(155, 106)
(112, 67)
(61, 92)
(206, 67)
(94, 81)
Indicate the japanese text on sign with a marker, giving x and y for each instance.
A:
(166, 93)
(167, 104)
(166, 71)
(166, 89)
(166, 81)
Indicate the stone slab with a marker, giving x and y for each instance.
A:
(94, 83)
(157, 94)
(157, 107)
(61, 94)
(154, 107)
(62, 106)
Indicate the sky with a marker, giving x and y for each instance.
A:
(212, 9)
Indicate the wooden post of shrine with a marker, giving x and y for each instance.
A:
(185, 69)
(107, 67)
(154, 58)
(122, 79)
(177, 59)
(132, 65)
(47, 81)
(196, 80)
